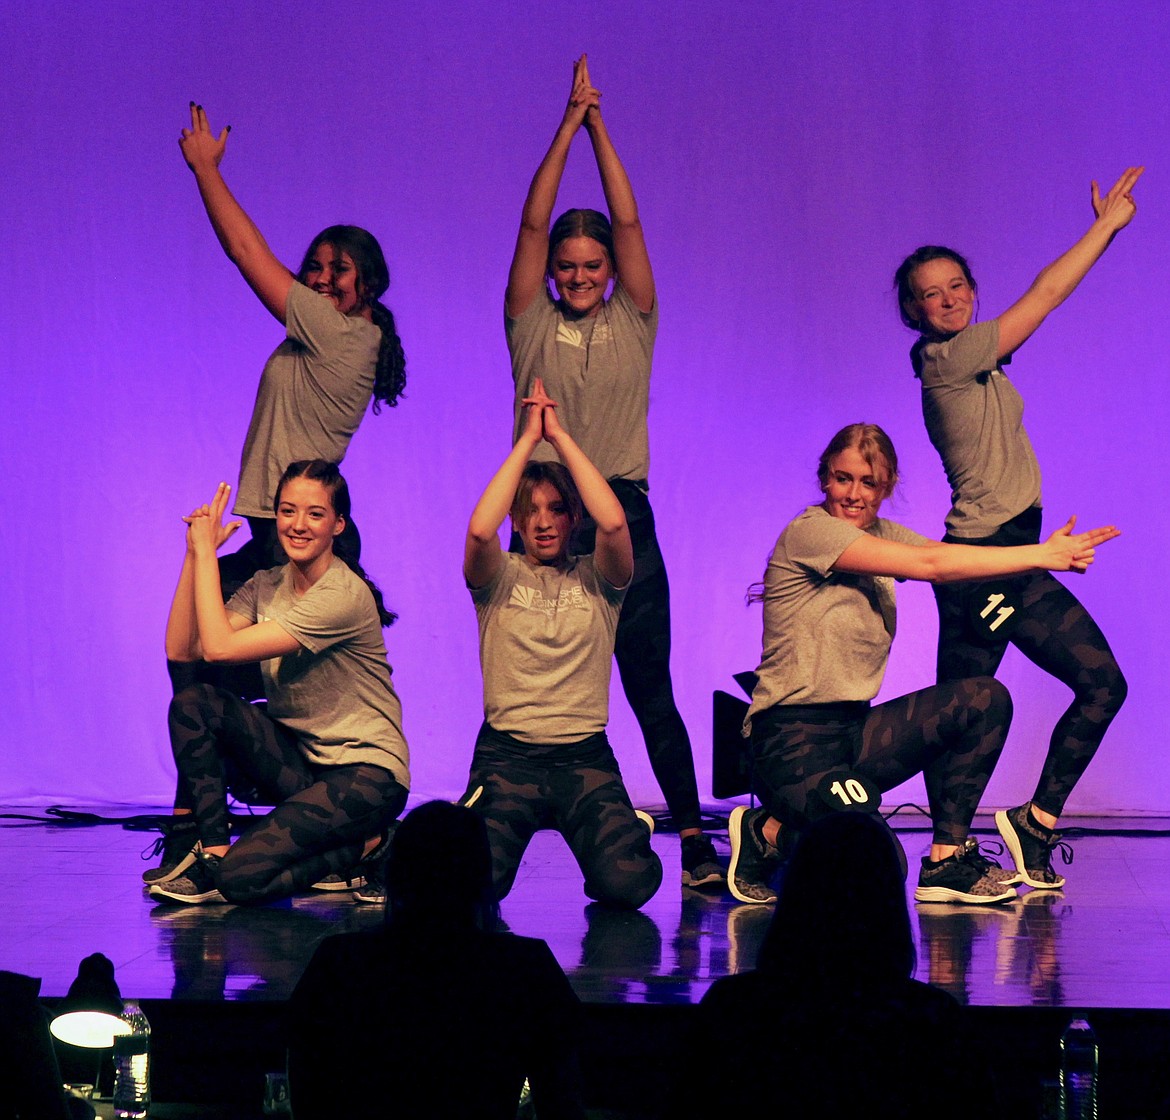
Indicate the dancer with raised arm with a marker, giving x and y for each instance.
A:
(341, 350)
(547, 621)
(974, 416)
(829, 618)
(593, 355)
(328, 749)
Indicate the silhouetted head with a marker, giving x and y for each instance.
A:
(841, 918)
(439, 871)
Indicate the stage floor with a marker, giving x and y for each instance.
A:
(1102, 942)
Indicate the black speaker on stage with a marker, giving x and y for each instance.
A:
(731, 753)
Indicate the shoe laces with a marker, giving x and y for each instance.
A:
(973, 852)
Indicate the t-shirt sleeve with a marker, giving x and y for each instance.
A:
(316, 324)
(892, 531)
(243, 602)
(816, 541)
(527, 331)
(327, 614)
(960, 358)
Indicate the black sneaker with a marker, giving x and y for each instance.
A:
(753, 863)
(973, 852)
(962, 877)
(176, 846)
(700, 865)
(197, 886)
(372, 891)
(1031, 846)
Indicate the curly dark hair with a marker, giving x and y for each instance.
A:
(330, 476)
(373, 281)
(922, 255)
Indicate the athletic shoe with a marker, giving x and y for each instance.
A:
(753, 861)
(194, 888)
(960, 878)
(352, 880)
(700, 865)
(646, 819)
(1031, 846)
(372, 890)
(974, 853)
(177, 846)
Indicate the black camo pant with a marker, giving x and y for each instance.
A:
(642, 650)
(1055, 633)
(323, 814)
(576, 790)
(953, 731)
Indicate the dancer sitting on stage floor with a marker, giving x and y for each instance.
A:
(342, 350)
(435, 1013)
(829, 618)
(328, 750)
(831, 1015)
(593, 355)
(974, 417)
(546, 631)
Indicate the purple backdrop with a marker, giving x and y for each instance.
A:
(785, 157)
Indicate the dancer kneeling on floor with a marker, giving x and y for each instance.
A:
(328, 750)
(547, 621)
(829, 617)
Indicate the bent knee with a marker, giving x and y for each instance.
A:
(627, 887)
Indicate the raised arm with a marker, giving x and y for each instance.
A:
(937, 562)
(530, 258)
(482, 555)
(1056, 282)
(629, 243)
(220, 634)
(613, 553)
(237, 233)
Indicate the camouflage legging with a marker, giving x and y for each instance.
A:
(323, 814)
(1057, 634)
(952, 731)
(575, 789)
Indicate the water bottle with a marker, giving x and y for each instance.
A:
(1078, 1072)
(132, 1065)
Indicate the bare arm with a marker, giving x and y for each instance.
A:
(220, 635)
(1058, 281)
(482, 555)
(948, 563)
(613, 554)
(530, 258)
(629, 243)
(241, 240)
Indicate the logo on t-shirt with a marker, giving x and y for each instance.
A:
(570, 335)
(533, 599)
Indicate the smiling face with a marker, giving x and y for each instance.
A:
(333, 274)
(581, 271)
(306, 523)
(943, 298)
(545, 530)
(855, 490)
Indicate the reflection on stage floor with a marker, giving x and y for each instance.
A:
(1104, 941)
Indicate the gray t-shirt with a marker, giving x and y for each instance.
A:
(975, 419)
(546, 637)
(312, 396)
(826, 634)
(335, 693)
(597, 369)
